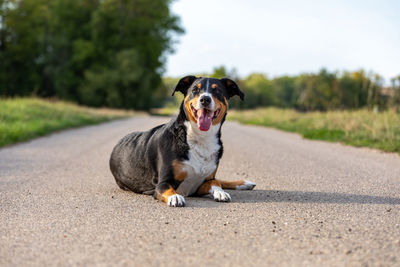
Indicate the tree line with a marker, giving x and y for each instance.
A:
(94, 52)
(320, 91)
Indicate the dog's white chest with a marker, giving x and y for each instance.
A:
(202, 162)
(202, 159)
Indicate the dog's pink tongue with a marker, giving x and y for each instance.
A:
(204, 119)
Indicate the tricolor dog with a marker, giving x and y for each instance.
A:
(180, 158)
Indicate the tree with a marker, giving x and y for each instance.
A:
(285, 89)
(318, 91)
(22, 29)
(109, 52)
(395, 99)
(259, 91)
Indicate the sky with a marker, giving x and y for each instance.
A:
(287, 37)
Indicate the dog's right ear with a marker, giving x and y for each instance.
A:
(184, 84)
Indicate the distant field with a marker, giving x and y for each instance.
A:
(357, 128)
(25, 118)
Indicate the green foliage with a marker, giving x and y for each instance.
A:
(259, 91)
(320, 91)
(219, 72)
(394, 93)
(286, 93)
(108, 85)
(164, 95)
(317, 91)
(94, 52)
(25, 118)
(358, 128)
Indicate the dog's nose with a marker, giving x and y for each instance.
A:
(205, 100)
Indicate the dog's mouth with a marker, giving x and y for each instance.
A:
(204, 117)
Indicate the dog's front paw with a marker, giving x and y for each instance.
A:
(246, 186)
(220, 195)
(176, 201)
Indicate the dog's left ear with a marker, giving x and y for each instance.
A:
(184, 84)
(232, 88)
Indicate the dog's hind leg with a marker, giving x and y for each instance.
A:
(121, 185)
(149, 192)
(237, 185)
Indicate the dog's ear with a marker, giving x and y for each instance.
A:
(232, 88)
(184, 84)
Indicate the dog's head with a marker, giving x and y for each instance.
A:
(206, 99)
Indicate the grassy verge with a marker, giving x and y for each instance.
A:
(357, 128)
(25, 118)
(166, 111)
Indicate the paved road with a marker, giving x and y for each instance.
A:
(315, 203)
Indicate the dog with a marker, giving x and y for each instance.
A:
(180, 158)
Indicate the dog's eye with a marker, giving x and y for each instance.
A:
(196, 90)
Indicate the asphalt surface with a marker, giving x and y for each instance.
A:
(315, 204)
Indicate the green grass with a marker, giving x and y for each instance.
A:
(358, 128)
(22, 119)
(165, 111)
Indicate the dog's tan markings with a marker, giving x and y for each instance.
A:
(231, 184)
(188, 108)
(204, 189)
(220, 105)
(229, 83)
(167, 193)
(213, 86)
(198, 85)
(186, 80)
(179, 173)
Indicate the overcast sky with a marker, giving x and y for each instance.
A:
(287, 37)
